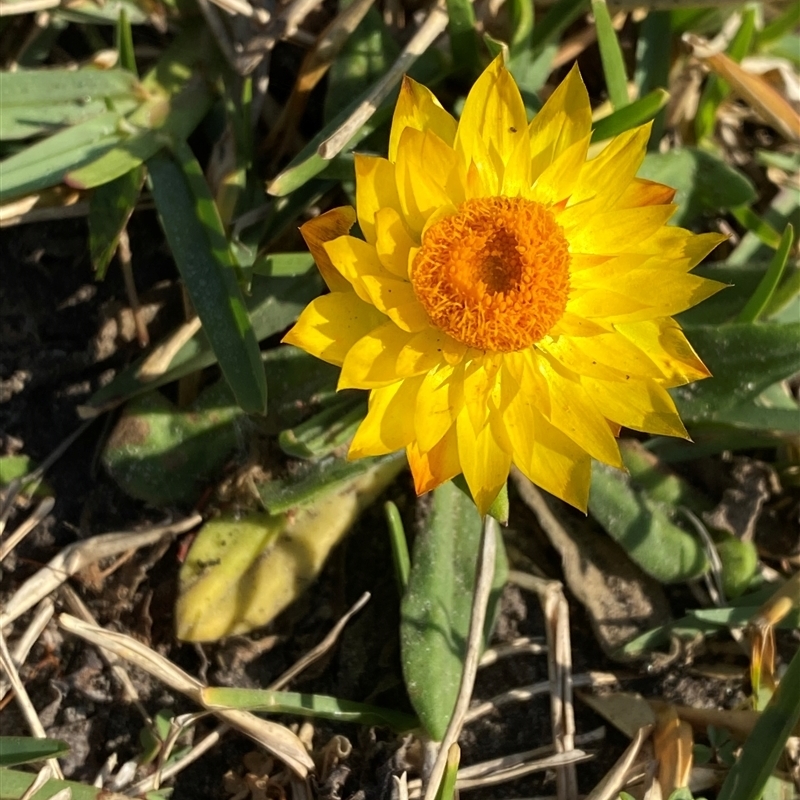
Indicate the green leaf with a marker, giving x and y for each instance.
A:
(46, 163)
(436, 609)
(611, 56)
(764, 746)
(164, 455)
(14, 785)
(704, 182)
(124, 42)
(308, 705)
(25, 749)
(643, 527)
(769, 283)
(273, 303)
(110, 208)
(744, 361)
(397, 537)
(631, 116)
(328, 429)
(463, 39)
(41, 101)
(653, 59)
(314, 479)
(283, 265)
(745, 216)
(197, 240)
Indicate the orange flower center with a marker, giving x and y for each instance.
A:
(495, 275)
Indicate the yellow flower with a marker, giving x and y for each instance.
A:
(511, 300)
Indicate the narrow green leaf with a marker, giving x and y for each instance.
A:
(197, 240)
(521, 18)
(755, 224)
(447, 787)
(25, 749)
(41, 101)
(110, 208)
(611, 56)
(652, 63)
(332, 427)
(557, 19)
(15, 784)
(784, 23)
(764, 746)
(308, 705)
(463, 39)
(283, 265)
(397, 537)
(763, 294)
(643, 528)
(436, 609)
(317, 478)
(46, 163)
(634, 114)
(124, 42)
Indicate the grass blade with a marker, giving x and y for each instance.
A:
(201, 251)
(463, 41)
(764, 746)
(610, 55)
(632, 115)
(400, 556)
(762, 295)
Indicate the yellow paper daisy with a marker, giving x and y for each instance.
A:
(511, 301)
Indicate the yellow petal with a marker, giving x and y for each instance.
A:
(330, 325)
(566, 118)
(557, 181)
(640, 405)
(642, 192)
(372, 361)
(418, 108)
(388, 425)
(604, 305)
(427, 177)
(612, 232)
(394, 243)
(427, 349)
(559, 465)
(439, 400)
(355, 259)
(397, 300)
(664, 342)
(375, 189)
(682, 246)
(493, 121)
(484, 463)
(433, 467)
(316, 232)
(573, 412)
(607, 176)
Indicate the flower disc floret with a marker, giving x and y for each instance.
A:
(495, 275)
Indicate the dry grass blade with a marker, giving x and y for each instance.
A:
(774, 108)
(315, 64)
(522, 646)
(323, 647)
(673, 742)
(44, 613)
(556, 761)
(275, 738)
(434, 24)
(522, 694)
(24, 701)
(26, 7)
(614, 781)
(157, 363)
(77, 556)
(484, 575)
(41, 511)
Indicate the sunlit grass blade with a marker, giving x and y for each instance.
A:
(636, 113)
(611, 55)
(758, 226)
(762, 295)
(764, 746)
(197, 240)
(397, 537)
(308, 705)
(124, 42)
